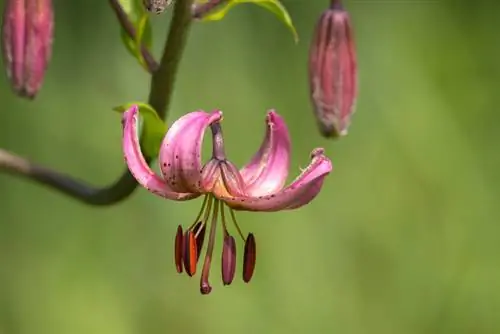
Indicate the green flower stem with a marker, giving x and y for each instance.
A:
(162, 85)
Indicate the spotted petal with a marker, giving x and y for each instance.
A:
(267, 171)
(302, 191)
(180, 152)
(137, 164)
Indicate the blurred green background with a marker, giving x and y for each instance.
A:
(404, 238)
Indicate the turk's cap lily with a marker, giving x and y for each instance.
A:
(258, 186)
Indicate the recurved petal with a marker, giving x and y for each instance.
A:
(180, 152)
(302, 191)
(137, 164)
(267, 171)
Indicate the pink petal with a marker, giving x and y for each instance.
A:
(137, 164)
(180, 152)
(222, 179)
(266, 173)
(302, 191)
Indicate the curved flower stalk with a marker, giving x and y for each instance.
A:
(258, 186)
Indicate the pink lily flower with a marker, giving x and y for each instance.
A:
(258, 186)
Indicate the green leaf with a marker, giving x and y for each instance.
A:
(130, 6)
(143, 30)
(139, 17)
(153, 128)
(274, 6)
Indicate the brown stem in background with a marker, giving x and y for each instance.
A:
(129, 28)
(200, 10)
(162, 84)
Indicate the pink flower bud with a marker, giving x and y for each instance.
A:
(333, 71)
(27, 32)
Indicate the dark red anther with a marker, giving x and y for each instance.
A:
(178, 249)
(199, 230)
(249, 257)
(228, 259)
(189, 254)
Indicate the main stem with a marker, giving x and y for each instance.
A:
(162, 86)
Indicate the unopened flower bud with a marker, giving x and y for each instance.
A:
(333, 71)
(27, 33)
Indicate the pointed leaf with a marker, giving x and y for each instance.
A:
(139, 17)
(218, 12)
(153, 128)
(280, 11)
(274, 6)
(143, 31)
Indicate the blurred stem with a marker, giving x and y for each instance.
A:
(162, 86)
(200, 10)
(336, 4)
(129, 28)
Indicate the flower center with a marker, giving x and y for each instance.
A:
(189, 245)
(219, 176)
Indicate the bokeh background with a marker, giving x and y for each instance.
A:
(404, 238)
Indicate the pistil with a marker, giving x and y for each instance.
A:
(205, 287)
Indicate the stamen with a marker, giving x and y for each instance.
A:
(197, 219)
(233, 217)
(189, 253)
(228, 259)
(178, 249)
(223, 218)
(228, 263)
(208, 210)
(205, 287)
(249, 257)
(185, 254)
(199, 230)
